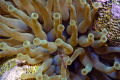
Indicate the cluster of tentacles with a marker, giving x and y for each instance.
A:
(57, 36)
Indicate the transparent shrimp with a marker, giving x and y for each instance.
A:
(61, 55)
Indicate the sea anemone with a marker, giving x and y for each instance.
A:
(54, 40)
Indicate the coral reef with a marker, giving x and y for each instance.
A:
(109, 19)
(56, 40)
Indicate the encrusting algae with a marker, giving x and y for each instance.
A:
(54, 40)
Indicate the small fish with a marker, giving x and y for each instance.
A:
(60, 54)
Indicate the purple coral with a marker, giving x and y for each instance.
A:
(115, 10)
(102, 0)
